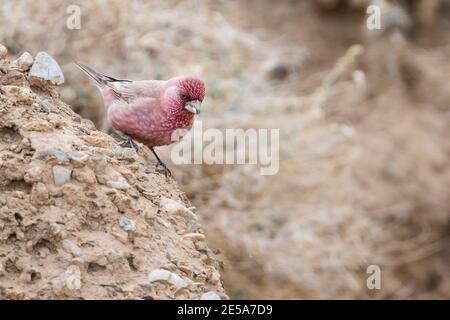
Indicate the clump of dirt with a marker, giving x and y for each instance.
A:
(82, 217)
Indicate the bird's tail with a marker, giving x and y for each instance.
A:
(101, 79)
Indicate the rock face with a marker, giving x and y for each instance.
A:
(82, 218)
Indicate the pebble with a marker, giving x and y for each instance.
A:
(100, 163)
(68, 280)
(175, 208)
(61, 175)
(39, 126)
(84, 175)
(33, 174)
(46, 68)
(126, 224)
(112, 255)
(211, 295)
(45, 106)
(278, 72)
(41, 192)
(78, 158)
(14, 78)
(110, 191)
(126, 154)
(72, 248)
(3, 51)
(19, 94)
(58, 155)
(194, 236)
(122, 202)
(24, 62)
(54, 228)
(57, 194)
(167, 276)
(96, 140)
(120, 183)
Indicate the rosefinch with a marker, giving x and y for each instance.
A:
(149, 111)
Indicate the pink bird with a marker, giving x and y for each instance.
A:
(150, 111)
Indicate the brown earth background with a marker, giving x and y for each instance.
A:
(363, 115)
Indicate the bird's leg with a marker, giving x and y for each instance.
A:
(160, 166)
(126, 141)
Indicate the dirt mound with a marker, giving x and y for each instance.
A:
(82, 217)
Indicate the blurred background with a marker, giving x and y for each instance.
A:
(364, 129)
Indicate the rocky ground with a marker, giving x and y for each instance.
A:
(82, 217)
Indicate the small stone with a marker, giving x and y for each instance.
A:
(19, 94)
(278, 72)
(194, 236)
(45, 106)
(14, 78)
(126, 224)
(110, 191)
(211, 295)
(20, 235)
(61, 175)
(78, 158)
(51, 154)
(67, 281)
(24, 62)
(120, 183)
(96, 140)
(122, 202)
(40, 191)
(126, 154)
(121, 236)
(2, 270)
(112, 255)
(175, 208)
(57, 194)
(72, 248)
(33, 174)
(133, 194)
(54, 228)
(100, 163)
(46, 68)
(84, 175)
(167, 276)
(3, 51)
(39, 126)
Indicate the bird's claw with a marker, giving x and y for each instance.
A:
(127, 142)
(162, 168)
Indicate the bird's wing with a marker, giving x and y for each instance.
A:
(131, 90)
(126, 90)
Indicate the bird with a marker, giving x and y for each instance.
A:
(150, 111)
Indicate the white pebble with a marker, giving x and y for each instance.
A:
(61, 175)
(167, 276)
(126, 224)
(211, 295)
(175, 208)
(46, 68)
(24, 62)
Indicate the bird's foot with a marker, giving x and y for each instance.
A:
(162, 168)
(126, 141)
(129, 143)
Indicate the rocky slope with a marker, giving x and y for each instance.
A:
(82, 217)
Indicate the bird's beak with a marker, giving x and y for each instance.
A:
(193, 106)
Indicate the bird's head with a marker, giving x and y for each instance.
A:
(186, 93)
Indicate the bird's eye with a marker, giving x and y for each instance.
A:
(184, 96)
